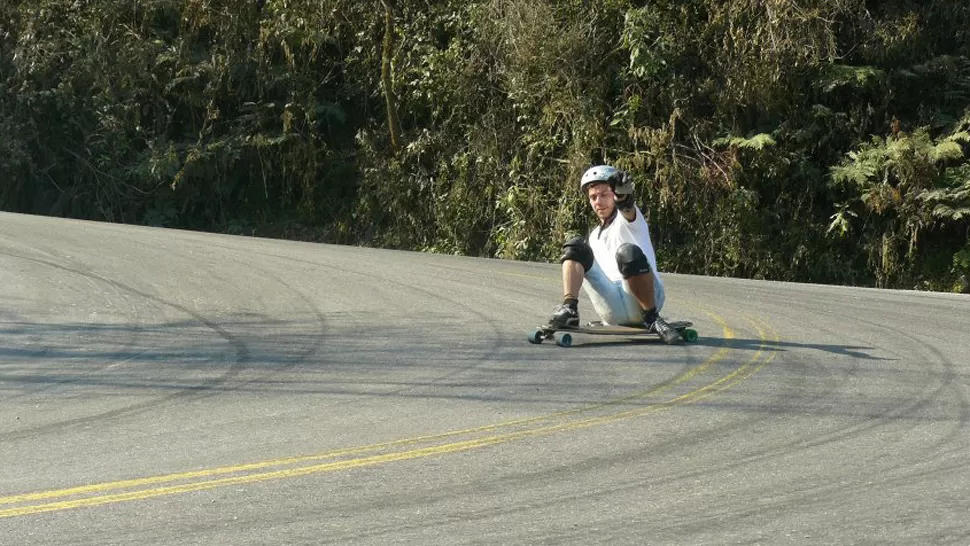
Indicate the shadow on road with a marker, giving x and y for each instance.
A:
(853, 351)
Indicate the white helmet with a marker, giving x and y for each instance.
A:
(600, 173)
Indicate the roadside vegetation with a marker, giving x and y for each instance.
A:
(804, 140)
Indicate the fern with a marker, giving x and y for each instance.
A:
(959, 136)
(841, 220)
(856, 77)
(947, 212)
(861, 167)
(951, 202)
(758, 142)
(947, 150)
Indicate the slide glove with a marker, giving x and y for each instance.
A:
(623, 188)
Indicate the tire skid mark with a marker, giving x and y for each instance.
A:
(203, 389)
(308, 352)
(382, 281)
(947, 382)
(401, 450)
(126, 347)
(898, 474)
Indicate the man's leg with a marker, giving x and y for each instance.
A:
(572, 279)
(642, 288)
(577, 259)
(637, 274)
(639, 279)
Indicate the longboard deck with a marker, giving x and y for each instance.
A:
(563, 336)
(600, 329)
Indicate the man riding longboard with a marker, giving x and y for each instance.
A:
(617, 261)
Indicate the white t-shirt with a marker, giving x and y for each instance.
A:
(605, 242)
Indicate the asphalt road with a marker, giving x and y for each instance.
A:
(160, 387)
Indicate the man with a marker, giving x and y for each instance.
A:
(618, 261)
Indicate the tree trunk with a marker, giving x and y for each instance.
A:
(387, 77)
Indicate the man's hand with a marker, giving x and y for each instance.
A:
(624, 186)
(624, 192)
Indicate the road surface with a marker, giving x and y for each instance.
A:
(162, 387)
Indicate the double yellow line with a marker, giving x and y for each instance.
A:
(401, 450)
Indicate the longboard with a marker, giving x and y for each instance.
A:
(564, 338)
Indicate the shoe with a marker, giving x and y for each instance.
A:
(564, 317)
(659, 326)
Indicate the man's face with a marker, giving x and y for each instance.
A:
(602, 199)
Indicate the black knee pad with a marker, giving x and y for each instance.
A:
(578, 250)
(632, 261)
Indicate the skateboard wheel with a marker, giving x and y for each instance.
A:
(536, 337)
(564, 340)
(689, 334)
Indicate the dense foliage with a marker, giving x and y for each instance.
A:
(806, 140)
